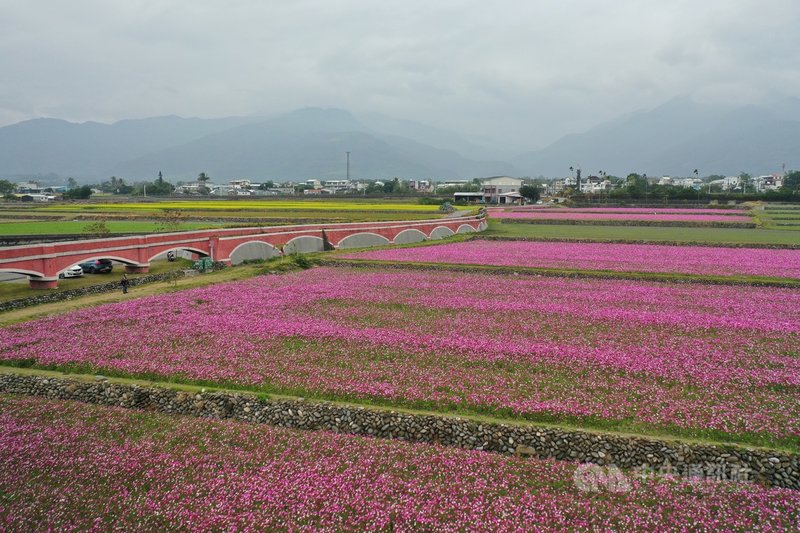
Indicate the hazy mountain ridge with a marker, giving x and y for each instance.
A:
(672, 139)
(305, 143)
(678, 137)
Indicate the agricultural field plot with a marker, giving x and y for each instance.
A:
(65, 465)
(758, 262)
(600, 233)
(704, 361)
(626, 210)
(780, 217)
(254, 205)
(224, 212)
(62, 227)
(635, 217)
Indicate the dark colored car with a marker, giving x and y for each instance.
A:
(97, 266)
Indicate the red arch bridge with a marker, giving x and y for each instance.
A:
(42, 263)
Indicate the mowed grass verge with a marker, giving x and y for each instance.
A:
(12, 290)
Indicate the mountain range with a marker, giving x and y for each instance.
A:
(672, 139)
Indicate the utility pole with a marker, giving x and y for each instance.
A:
(348, 166)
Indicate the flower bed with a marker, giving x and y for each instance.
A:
(700, 359)
(68, 466)
(708, 260)
(638, 216)
(625, 210)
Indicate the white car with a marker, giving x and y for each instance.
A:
(72, 272)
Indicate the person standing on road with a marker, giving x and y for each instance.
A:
(125, 282)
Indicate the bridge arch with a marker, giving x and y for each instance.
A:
(304, 244)
(409, 236)
(465, 228)
(163, 253)
(441, 232)
(24, 272)
(253, 250)
(363, 240)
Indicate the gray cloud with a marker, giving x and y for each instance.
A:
(521, 72)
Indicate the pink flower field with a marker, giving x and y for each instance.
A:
(693, 358)
(628, 210)
(563, 214)
(71, 467)
(603, 256)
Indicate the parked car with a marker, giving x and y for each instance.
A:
(74, 271)
(97, 266)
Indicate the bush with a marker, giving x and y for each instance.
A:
(301, 261)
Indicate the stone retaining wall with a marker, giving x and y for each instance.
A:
(47, 298)
(770, 468)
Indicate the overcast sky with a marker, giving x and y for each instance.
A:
(526, 71)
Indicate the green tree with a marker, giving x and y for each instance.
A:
(792, 181)
(79, 193)
(266, 185)
(153, 188)
(6, 187)
(203, 178)
(391, 186)
(71, 183)
(170, 220)
(115, 185)
(529, 192)
(98, 229)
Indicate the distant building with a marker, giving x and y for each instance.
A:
(29, 187)
(769, 182)
(419, 185)
(596, 184)
(731, 182)
(189, 188)
(454, 184)
(240, 184)
(468, 196)
(501, 190)
(337, 186)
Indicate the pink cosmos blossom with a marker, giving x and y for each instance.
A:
(655, 354)
(639, 216)
(603, 256)
(72, 467)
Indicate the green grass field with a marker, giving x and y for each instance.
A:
(59, 227)
(779, 218)
(645, 233)
(249, 205)
(267, 211)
